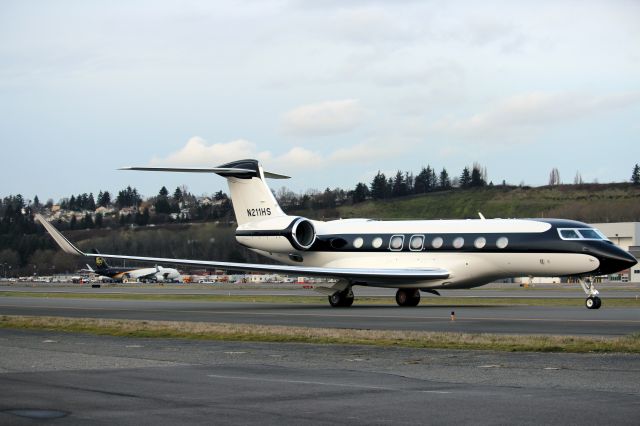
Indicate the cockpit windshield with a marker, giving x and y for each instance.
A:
(581, 234)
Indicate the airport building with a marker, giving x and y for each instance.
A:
(626, 235)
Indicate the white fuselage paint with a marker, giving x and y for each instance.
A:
(160, 274)
(468, 269)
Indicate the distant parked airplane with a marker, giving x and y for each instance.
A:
(412, 256)
(155, 274)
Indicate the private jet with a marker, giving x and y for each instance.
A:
(411, 256)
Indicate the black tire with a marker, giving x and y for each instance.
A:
(335, 300)
(402, 297)
(415, 299)
(598, 302)
(342, 299)
(590, 303)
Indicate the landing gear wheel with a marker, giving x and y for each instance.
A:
(341, 299)
(407, 297)
(590, 303)
(593, 302)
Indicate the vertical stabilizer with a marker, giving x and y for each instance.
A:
(252, 199)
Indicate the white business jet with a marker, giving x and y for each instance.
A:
(411, 256)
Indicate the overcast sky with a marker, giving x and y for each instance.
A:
(328, 92)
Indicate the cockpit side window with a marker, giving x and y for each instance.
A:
(569, 234)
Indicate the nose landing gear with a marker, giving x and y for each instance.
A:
(593, 301)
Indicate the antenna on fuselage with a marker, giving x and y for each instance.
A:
(481, 216)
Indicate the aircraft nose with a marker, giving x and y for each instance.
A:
(616, 259)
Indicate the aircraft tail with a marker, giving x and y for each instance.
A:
(252, 199)
(101, 263)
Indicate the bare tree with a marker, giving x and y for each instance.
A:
(554, 177)
(577, 180)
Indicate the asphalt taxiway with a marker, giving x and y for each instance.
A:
(85, 379)
(473, 319)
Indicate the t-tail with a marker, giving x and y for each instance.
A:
(252, 199)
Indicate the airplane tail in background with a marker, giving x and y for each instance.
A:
(101, 263)
(252, 199)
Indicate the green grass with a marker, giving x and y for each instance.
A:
(589, 203)
(383, 338)
(367, 300)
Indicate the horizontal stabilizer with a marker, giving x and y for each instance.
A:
(221, 171)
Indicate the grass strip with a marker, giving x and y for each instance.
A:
(374, 300)
(384, 338)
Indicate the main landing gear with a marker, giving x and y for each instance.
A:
(341, 299)
(593, 301)
(408, 297)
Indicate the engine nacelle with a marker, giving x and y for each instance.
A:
(303, 234)
(279, 235)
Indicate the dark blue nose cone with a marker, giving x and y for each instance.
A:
(613, 259)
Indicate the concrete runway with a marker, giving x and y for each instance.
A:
(473, 319)
(84, 379)
(631, 291)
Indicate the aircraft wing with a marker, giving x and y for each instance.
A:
(365, 275)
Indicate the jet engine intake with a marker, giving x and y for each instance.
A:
(303, 233)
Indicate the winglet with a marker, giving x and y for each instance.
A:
(64, 244)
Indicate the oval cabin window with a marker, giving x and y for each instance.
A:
(437, 242)
(502, 242)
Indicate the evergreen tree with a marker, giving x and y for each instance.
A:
(87, 221)
(635, 176)
(73, 222)
(104, 199)
(465, 178)
(422, 181)
(177, 195)
(476, 177)
(162, 202)
(91, 203)
(361, 193)
(98, 220)
(379, 186)
(399, 187)
(445, 181)
(128, 197)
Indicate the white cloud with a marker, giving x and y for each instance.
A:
(196, 152)
(533, 111)
(323, 118)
